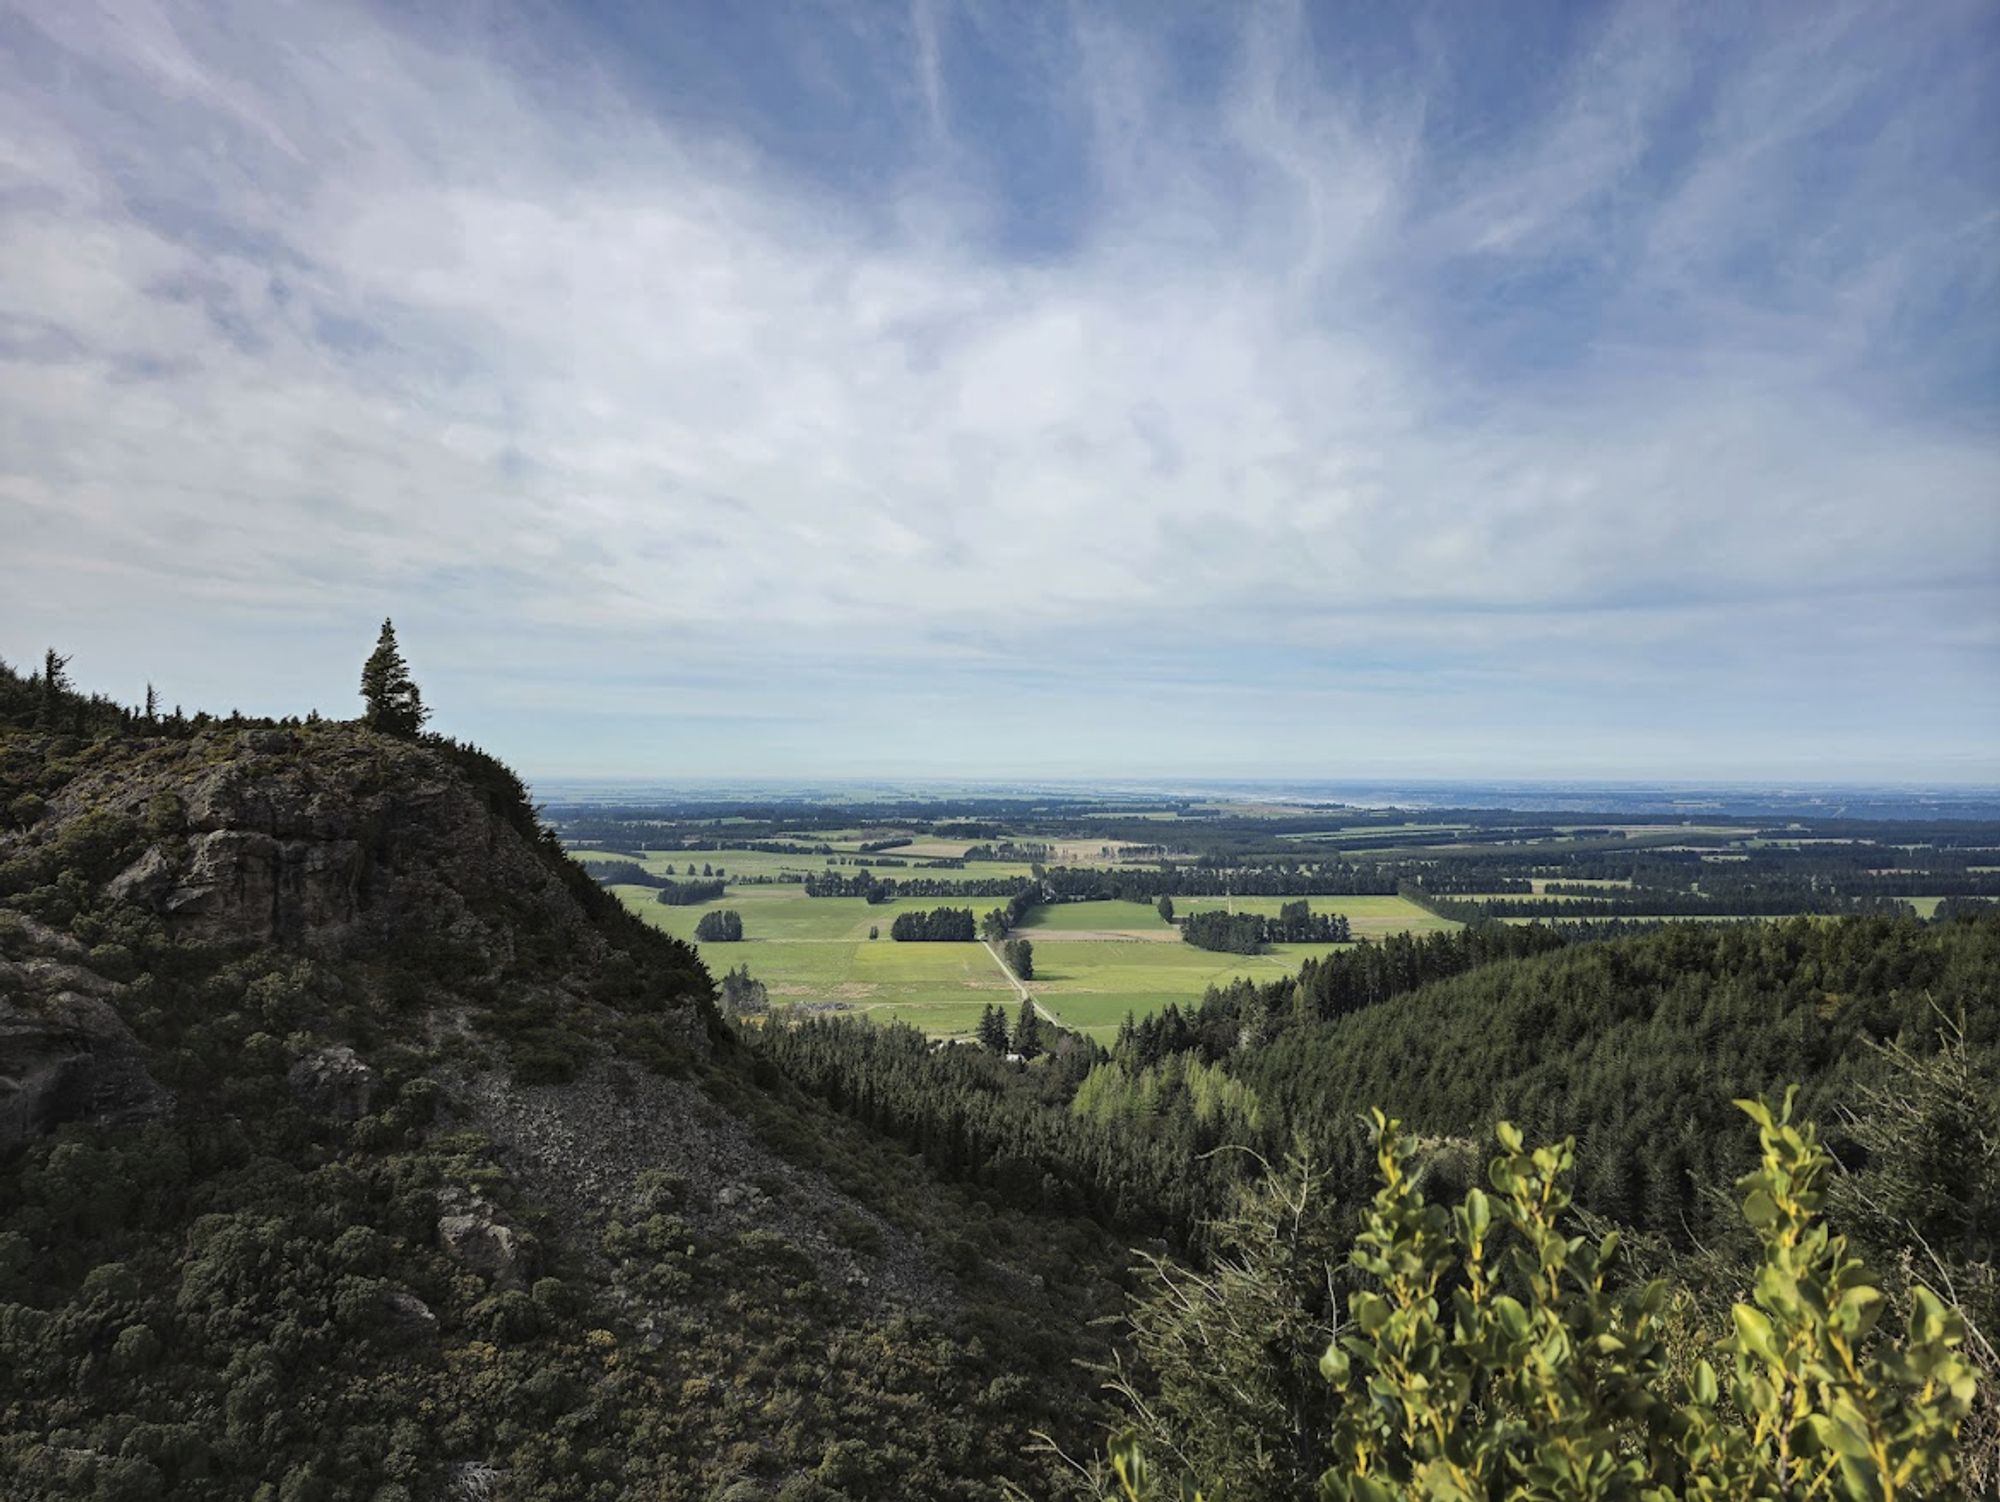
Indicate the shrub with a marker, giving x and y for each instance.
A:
(1488, 1355)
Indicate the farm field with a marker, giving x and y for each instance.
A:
(1061, 921)
(1091, 986)
(817, 949)
(1099, 959)
(1370, 917)
(784, 915)
(795, 868)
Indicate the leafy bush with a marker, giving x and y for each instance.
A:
(1489, 1354)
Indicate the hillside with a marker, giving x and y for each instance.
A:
(353, 1143)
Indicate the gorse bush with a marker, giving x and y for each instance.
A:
(1489, 1353)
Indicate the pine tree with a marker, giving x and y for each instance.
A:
(55, 688)
(395, 706)
(993, 1029)
(1166, 908)
(1027, 1030)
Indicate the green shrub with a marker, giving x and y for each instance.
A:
(1489, 1354)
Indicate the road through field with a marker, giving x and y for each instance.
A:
(1020, 985)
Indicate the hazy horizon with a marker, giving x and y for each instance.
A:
(973, 391)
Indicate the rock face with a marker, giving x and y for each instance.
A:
(471, 1232)
(325, 838)
(65, 1054)
(413, 871)
(334, 1083)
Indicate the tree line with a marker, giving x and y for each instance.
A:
(940, 925)
(1248, 933)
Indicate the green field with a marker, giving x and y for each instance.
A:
(1091, 986)
(1370, 917)
(782, 915)
(817, 950)
(1056, 919)
(795, 868)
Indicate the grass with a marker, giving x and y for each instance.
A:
(1369, 917)
(1056, 919)
(783, 915)
(1091, 986)
(816, 949)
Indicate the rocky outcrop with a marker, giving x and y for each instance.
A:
(333, 1082)
(323, 837)
(409, 1316)
(65, 1054)
(472, 1233)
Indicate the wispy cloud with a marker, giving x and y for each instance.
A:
(1633, 385)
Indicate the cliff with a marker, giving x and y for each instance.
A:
(354, 1143)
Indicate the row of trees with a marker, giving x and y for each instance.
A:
(1226, 933)
(997, 924)
(1149, 883)
(940, 925)
(50, 700)
(674, 893)
(1248, 933)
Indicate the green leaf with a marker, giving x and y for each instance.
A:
(1703, 1385)
(1753, 1334)
(1334, 1364)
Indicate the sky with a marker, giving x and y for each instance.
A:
(1177, 389)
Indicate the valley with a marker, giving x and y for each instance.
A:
(1095, 869)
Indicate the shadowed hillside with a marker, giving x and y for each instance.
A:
(356, 1144)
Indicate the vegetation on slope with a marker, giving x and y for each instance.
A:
(312, 1181)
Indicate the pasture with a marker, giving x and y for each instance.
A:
(1369, 917)
(796, 868)
(1094, 961)
(1091, 985)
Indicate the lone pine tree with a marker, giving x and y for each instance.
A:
(395, 706)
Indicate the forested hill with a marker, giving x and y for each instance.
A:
(1638, 1046)
(1635, 1045)
(355, 1144)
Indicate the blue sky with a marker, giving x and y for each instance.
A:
(966, 390)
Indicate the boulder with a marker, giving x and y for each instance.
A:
(66, 1055)
(333, 1082)
(409, 1316)
(472, 1234)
